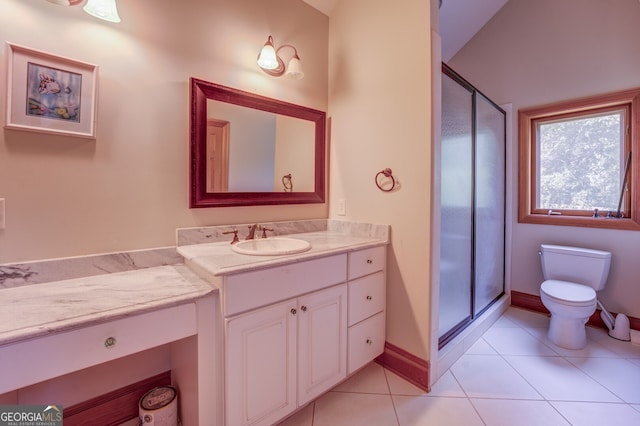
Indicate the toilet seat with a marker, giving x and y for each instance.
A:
(568, 293)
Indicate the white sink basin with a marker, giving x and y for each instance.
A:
(271, 246)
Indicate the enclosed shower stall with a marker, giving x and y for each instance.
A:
(472, 223)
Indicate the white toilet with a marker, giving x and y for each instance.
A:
(572, 277)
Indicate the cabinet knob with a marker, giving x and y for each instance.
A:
(369, 261)
(110, 342)
(369, 298)
(293, 311)
(369, 341)
(303, 308)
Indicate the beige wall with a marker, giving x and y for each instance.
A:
(380, 112)
(128, 189)
(537, 52)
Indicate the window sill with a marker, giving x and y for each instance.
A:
(628, 224)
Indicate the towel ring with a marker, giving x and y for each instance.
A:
(388, 174)
(287, 182)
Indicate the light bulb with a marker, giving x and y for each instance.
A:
(267, 58)
(103, 9)
(294, 69)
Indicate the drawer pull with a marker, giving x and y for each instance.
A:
(303, 308)
(110, 342)
(369, 261)
(293, 311)
(369, 298)
(369, 341)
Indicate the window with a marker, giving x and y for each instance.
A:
(579, 162)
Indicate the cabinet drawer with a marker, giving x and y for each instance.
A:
(366, 341)
(367, 296)
(253, 289)
(366, 261)
(33, 361)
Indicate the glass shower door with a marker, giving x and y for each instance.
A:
(489, 203)
(472, 205)
(456, 206)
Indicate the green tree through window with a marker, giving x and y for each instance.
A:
(580, 162)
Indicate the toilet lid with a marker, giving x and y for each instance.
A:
(568, 292)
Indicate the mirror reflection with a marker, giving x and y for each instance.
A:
(250, 150)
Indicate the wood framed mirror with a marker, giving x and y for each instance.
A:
(248, 150)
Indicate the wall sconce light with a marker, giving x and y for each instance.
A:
(103, 9)
(273, 64)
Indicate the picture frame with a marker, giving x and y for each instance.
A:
(50, 94)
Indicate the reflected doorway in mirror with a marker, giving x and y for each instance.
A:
(217, 155)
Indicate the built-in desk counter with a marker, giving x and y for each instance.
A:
(37, 310)
(48, 330)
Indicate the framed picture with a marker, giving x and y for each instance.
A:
(50, 94)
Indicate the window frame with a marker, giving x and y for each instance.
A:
(527, 167)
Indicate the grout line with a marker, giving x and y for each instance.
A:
(466, 395)
(386, 380)
(393, 402)
(598, 382)
(358, 392)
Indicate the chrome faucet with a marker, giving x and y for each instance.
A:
(252, 232)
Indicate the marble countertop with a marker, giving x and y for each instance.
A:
(218, 259)
(30, 311)
(36, 310)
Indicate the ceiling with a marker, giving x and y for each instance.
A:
(324, 6)
(460, 20)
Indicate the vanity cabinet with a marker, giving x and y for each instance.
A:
(284, 355)
(294, 331)
(285, 337)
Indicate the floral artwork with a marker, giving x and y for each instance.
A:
(50, 94)
(53, 93)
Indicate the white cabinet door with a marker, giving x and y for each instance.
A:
(322, 341)
(261, 365)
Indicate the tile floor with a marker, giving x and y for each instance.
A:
(512, 376)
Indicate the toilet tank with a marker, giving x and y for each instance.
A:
(575, 264)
